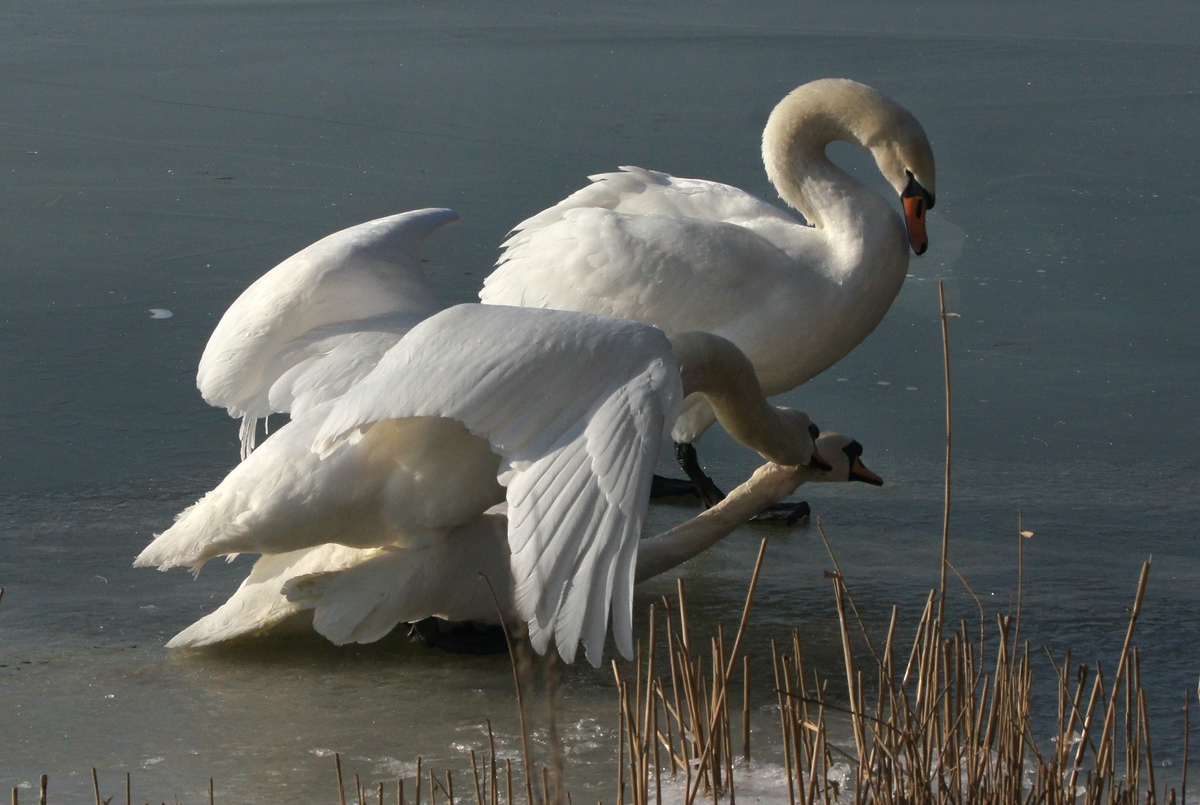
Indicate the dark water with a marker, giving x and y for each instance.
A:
(161, 156)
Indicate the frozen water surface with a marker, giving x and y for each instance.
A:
(159, 157)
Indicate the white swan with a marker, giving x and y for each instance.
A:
(560, 415)
(687, 254)
(359, 595)
(316, 323)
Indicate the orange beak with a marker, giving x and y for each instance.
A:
(914, 219)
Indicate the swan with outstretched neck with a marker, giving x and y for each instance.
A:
(688, 254)
(354, 595)
(558, 415)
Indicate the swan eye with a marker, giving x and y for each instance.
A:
(814, 432)
(853, 450)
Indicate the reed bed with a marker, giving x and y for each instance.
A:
(943, 717)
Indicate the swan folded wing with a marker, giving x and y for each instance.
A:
(259, 603)
(647, 192)
(677, 273)
(366, 270)
(283, 497)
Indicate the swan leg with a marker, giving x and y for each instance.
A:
(662, 487)
(460, 638)
(710, 495)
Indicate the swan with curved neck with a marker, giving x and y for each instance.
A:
(558, 415)
(688, 254)
(359, 595)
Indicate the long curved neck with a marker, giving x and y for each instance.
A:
(769, 484)
(713, 366)
(794, 141)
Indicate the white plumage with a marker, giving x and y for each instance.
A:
(688, 254)
(316, 323)
(558, 415)
(566, 411)
(353, 595)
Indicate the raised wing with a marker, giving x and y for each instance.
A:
(576, 406)
(354, 275)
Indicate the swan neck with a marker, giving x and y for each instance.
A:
(769, 485)
(715, 367)
(800, 128)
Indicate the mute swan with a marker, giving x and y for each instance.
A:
(316, 323)
(560, 415)
(359, 595)
(689, 254)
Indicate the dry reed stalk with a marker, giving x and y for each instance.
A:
(337, 764)
(475, 776)
(96, 785)
(1187, 733)
(945, 318)
(746, 708)
(517, 659)
(726, 672)
(495, 791)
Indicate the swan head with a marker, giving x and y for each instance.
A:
(905, 158)
(819, 112)
(844, 455)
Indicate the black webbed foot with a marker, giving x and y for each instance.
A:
(460, 638)
(662, 487)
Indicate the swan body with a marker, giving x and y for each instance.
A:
(316, 323)
(558, 415)
(354, 595)
(687, 254)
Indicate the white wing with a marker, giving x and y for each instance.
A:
(576, 406)
(282, 498)
(365, 602)
(354, 275)
(323, 363)
(259, 604)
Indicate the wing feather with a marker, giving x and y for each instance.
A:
(578, 446)
(365, 271)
